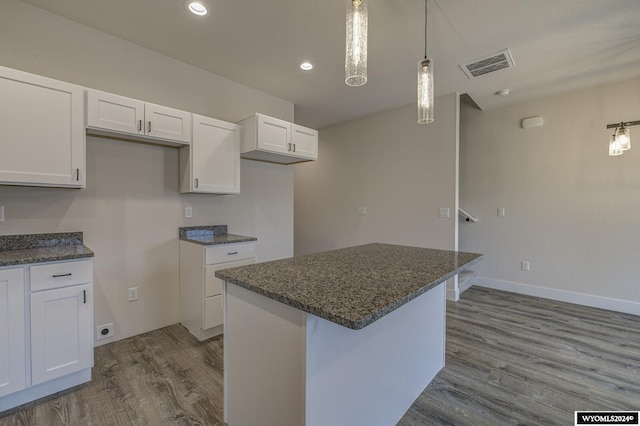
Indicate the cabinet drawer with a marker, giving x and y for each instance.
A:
(229, 253)
(213, 312)
(44, 277)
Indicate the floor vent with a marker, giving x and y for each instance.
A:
(494, 62)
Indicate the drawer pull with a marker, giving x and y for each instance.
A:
(232, 253)
(62, 275)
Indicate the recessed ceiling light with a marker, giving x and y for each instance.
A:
(196, 7)
(306, 66)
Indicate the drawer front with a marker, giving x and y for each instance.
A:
(213, 285)
(213, 312)
(54, 275)
(230, 252)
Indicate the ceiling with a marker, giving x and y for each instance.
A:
(557, 46)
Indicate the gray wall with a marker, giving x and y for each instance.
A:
(571, 210)
(131, 209)
(402, 172)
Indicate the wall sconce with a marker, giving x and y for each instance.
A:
(620, 141)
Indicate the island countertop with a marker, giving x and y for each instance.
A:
(354, 286)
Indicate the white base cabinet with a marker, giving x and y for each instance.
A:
(13, 367)
(201, 293)
(211, 164)
(42, 132)
(48, 344)
(272, 140)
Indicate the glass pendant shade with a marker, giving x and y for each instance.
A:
(614, 146)
(623, 138)
(355, 63)
(425, 91)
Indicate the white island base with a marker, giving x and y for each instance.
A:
(285, 367)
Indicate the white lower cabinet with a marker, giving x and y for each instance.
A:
(12, 332)
(201, 306)
(47, 347)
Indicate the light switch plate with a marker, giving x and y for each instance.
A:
(188, 212)
(444, 212)
(501, 212)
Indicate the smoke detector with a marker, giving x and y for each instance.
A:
(488, 64)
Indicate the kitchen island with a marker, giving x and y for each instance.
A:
(345, 337)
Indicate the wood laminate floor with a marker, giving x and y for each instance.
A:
(511, 359)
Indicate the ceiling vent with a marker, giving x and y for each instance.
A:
(488, 64)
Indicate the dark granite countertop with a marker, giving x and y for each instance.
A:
(354, 286)
(211, 235)
(38, 248)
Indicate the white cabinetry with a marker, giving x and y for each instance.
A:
(201, 306)
(119, 116)
(269, 139)
(13, 331)
(211, 164)
(58, 329)
(42, 136)
(61, 319)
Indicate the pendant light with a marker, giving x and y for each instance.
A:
(425, 81)
(355, 63)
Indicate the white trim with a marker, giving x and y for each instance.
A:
(601, 302)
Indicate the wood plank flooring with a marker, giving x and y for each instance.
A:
(511, 359)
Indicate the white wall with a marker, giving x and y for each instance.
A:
(571, 210)
(131, 209)
(402, 172)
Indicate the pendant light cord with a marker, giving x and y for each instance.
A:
(425, 29)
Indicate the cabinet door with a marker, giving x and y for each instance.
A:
(273, 134)
(61, 332)
(213, 305)
(167, 123)
(215, 156)
(13, 371)
(42, 132)
(304, 142)
(112, 112)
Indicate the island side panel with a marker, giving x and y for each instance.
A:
(373, 375)
(264, 365)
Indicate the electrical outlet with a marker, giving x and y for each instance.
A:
(501, 212)
(524, 265)
(188, 212)
(444, 212)
(361, 211)
(104, 331)
(133, 294)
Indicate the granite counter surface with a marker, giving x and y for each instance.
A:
(39, 248)
(211, 235)
(353, 286)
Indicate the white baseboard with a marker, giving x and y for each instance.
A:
(601, 302)
(453, 294)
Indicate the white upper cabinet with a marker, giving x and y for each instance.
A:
(269, 139)
(42, 136)
(212, 163)
(114, 115)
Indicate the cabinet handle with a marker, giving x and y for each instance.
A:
(289, 148)
(77, 175)
(232, 253)
(149, 127)
(62, 275)
(294, 147)
(197, 182)
(84, 296)
(139, 125)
